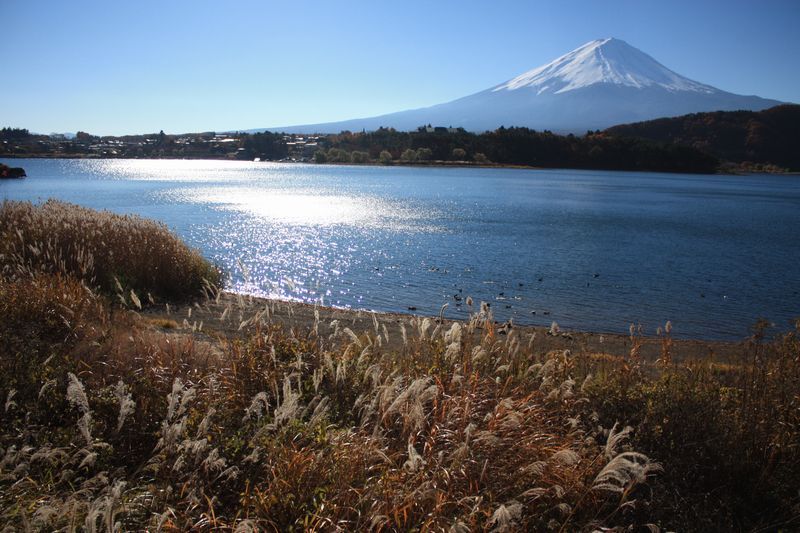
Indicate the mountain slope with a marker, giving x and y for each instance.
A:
(597, 85)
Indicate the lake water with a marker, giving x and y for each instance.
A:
(590, 250)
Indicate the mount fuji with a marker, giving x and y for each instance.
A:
(598, 85)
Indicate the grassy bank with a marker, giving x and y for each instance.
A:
(113, 418)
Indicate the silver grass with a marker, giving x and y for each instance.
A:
(511, 420)
(566, 457)
(546, 386)
(535, 492)
(135, 300)
(317, 377)
(320, 411)
(205, 423)
(10, 403)
(329, 365)
(453, 334)
(253, 456)
(505, 517)
(258, 406)
(94, 513)
(45, 515)
(564, 508)
(47, 386)
(378, 522)
(88, 461)
(547, 369)
(66, 475)
(341, 372)
(76, 395)
(453, 351)
(9, 458)
(478, 355)
(373, 374)
(365, 353)
(163, 517)
(246, 526)
(214, 463)
(566, 389)
(486, 438)
(586, 383)
(414, 461)
(421, 391)
(126, 404)
(624, 471)
(353, 337)
(289, 406)
(615, 438)
(533, 370)
(423, 328)
(49, 455)
(537, 468)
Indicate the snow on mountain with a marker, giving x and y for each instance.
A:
(603, 61)
(600, 84)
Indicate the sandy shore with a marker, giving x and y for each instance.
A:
(225, 316)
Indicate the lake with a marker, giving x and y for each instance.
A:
(590, 250)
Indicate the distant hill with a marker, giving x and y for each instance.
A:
(771, 136)
(600, 84)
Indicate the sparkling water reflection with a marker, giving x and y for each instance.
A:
(590, 250)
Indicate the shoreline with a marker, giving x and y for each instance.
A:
(301, 315)
(415, 164)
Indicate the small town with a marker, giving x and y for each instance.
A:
(18, 142)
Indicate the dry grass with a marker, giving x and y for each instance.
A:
(135, 258)
(110, 423)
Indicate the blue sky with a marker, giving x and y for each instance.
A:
(182, 66)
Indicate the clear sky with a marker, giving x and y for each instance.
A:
(116, 67)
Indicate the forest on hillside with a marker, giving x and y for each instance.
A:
(516, 146)
(747, 138)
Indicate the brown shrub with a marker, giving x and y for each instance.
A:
(116, 253)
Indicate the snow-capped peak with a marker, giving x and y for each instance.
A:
(610, 61)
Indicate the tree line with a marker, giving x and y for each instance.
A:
(514, 147)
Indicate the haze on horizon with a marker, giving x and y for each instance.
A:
(118, 68)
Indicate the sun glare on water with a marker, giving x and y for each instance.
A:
(308, 208)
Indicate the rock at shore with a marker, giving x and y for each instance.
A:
(11, 172)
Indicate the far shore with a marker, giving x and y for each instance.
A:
(397, 163)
